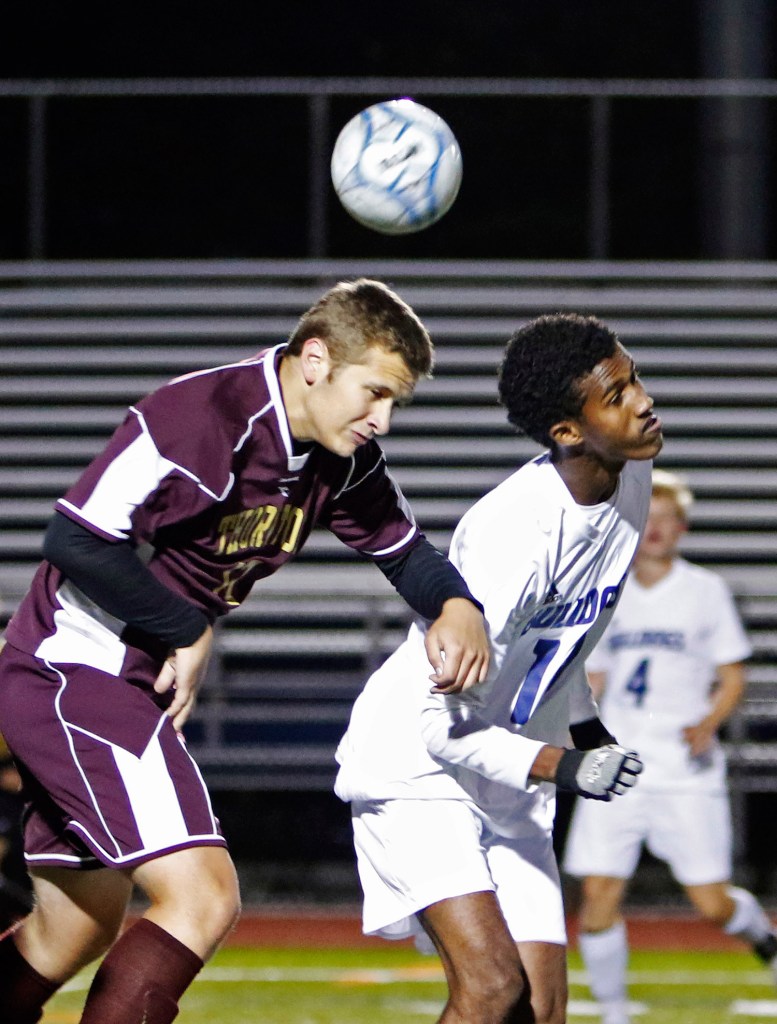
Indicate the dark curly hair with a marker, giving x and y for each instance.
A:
(543, 367)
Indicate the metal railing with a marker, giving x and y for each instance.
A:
(319, 92)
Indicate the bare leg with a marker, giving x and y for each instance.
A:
(77, 915)
(487, 980)
(75, 919)
(193, 896)
(545, 964)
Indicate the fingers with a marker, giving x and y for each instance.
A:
(456, 666)
(184, 693)
(184, 671)
(627, 773)
(457, 647)
(182, 706)
(166, 677)
(458, 672)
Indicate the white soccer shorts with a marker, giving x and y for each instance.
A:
(412, 853)
(690, 831)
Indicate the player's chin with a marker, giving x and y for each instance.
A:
(341, 445)
(649, 447)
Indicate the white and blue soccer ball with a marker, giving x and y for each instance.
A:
(396, 167)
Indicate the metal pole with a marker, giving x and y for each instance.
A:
(318, 156)
(36, 179)
(599, 193)
(735, 199)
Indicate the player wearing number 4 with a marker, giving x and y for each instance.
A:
(212, 483)
(670, 669)
(453, 797)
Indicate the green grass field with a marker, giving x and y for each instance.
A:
(386, 985)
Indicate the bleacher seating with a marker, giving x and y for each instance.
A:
(80, 341)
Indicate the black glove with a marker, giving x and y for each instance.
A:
(598, 774)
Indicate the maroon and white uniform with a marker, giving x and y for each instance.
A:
(203, 477)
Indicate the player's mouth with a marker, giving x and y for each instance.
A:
(653, 425)
(358, 439)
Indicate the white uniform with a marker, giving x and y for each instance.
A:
(660, 654)
(548, 572)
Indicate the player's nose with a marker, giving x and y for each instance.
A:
(380, 418)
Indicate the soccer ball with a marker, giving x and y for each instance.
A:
(396, 167)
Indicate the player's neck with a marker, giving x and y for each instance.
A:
(293, 392)
(588, 481)
(649, 571)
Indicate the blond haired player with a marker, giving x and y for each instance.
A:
(670, 672)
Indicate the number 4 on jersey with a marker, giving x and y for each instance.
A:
(638, 683)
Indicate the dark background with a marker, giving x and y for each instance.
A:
(227, 177)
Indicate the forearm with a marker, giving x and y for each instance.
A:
(112, 575)
(546, 764)
(728, 695)
(426, 579)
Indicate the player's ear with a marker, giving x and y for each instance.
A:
(314, 360)
(566, 433)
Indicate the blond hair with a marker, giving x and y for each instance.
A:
(669, 485)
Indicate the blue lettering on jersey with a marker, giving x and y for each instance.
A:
(578, 613)
(553, 656)
(663, 639)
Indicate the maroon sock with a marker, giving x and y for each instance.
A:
(22, 990)
(141, 979)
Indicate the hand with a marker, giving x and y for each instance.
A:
(458, 647)
(699, 737)
(598, 774)
(184, 671)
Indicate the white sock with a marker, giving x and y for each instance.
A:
(605, 955)
(749, 918)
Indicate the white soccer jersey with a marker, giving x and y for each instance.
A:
(660, 654)
(548, 572)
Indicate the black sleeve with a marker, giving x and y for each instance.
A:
(425, 579)
(590, 734)
(112, 575)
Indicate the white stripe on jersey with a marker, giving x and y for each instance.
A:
(83, 634)
(133, 474)
(151, 795)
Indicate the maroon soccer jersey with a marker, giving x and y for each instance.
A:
(203, 473)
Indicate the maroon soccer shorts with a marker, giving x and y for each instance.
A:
(107, 780)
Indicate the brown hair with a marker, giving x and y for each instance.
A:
(356, 315)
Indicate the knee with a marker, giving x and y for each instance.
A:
(600, 905)
(718, 912)
(195, 895)
(218, 903)
(490, 993)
